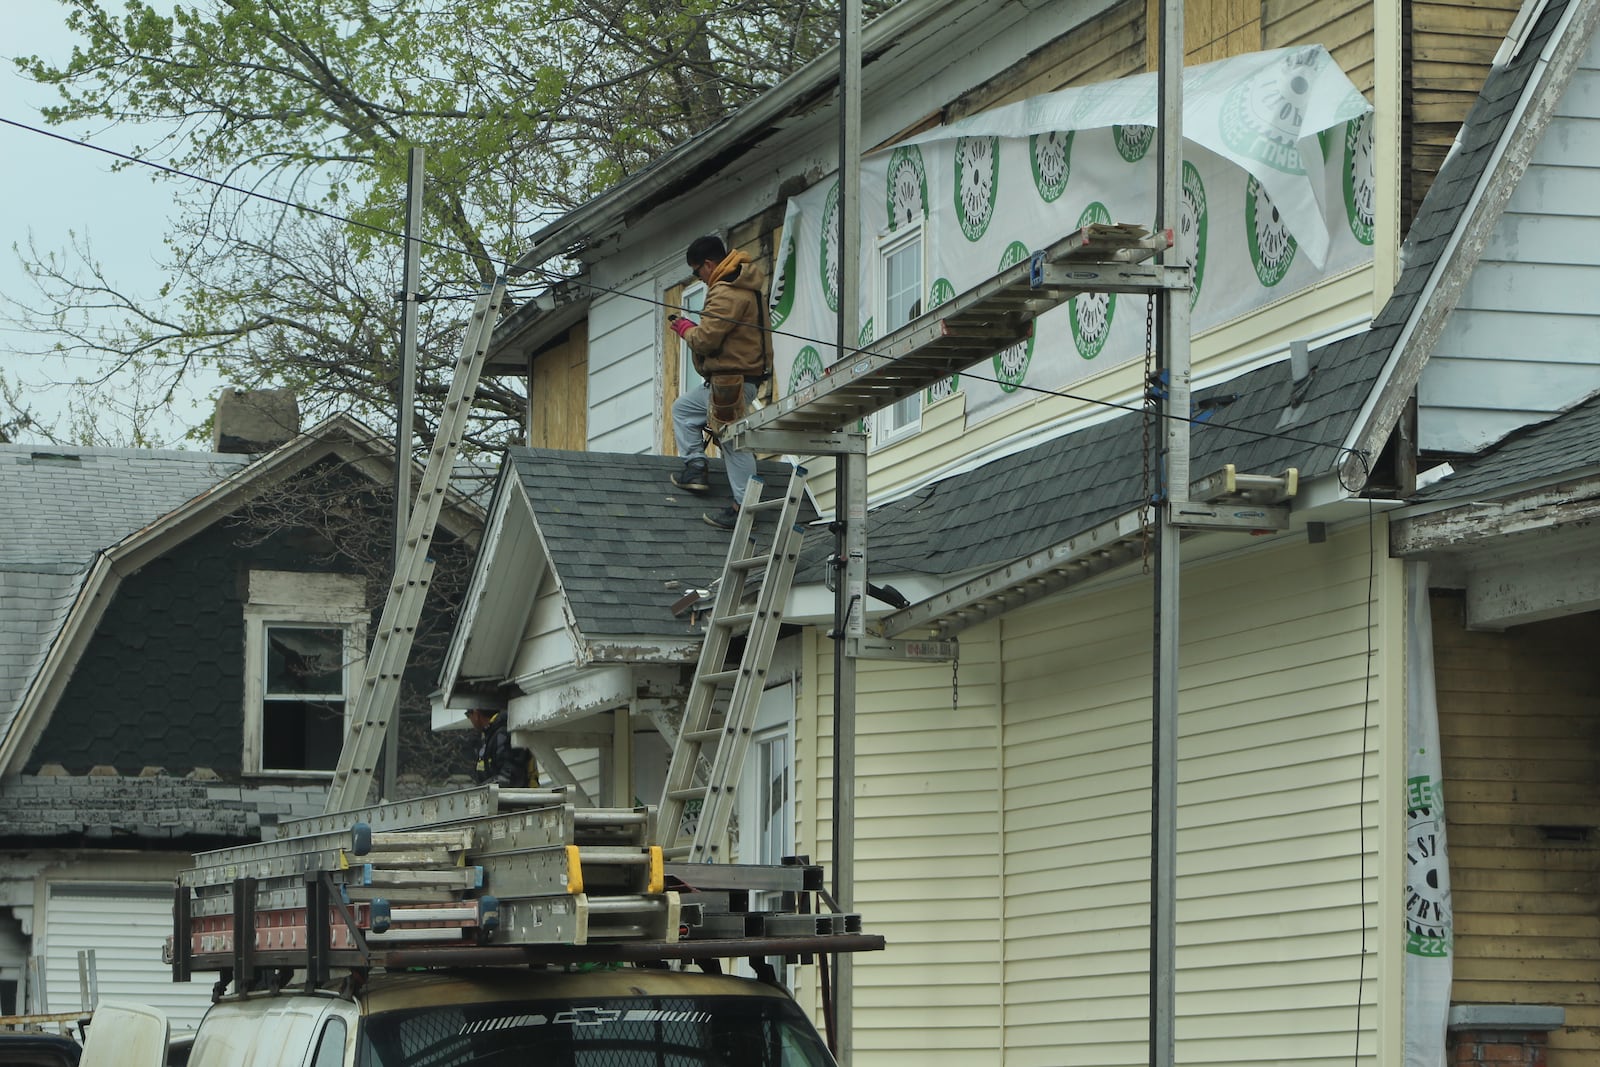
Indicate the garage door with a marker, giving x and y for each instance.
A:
(126, 926)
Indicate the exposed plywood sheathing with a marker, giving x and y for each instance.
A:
(1520, 743)
(559, 393)
(1212, 30)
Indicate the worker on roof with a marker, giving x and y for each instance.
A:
(732, 352)
(498, 761)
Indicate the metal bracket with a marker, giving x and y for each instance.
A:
(869, 647)
(1238, 515)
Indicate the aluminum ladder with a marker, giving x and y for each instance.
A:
(378, 696)
(707, 755)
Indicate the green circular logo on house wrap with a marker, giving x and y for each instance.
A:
(1011, 364)
(1051, 157)
(1092, 312)
(977, 182)
(1261, 118)
(1272, 246)
(1428, 905)
(807, 368)
(907, 187)
(781, 302)
(941, 292)
(1193, 220)
(1133, 141)
(828, 253)
(1360, 181)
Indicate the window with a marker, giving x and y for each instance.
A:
(305, 640)
(330, 1046)
(900, 278)
(693, 302)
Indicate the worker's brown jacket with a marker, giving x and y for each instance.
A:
(729, 338)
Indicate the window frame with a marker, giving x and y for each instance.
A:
(303, 600)
(693, 309)
(885, 431)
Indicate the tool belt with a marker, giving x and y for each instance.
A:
(727, 400)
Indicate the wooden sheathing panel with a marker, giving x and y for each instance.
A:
(1343, 27)
(927, 833)
(1452, 46)
(672, 347)
(1521, 746)
(559, 393)
(1212, 30)
(1109, 46)
(1274, 813)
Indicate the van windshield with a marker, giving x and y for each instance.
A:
(603, 1032)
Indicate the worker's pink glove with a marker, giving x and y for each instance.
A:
(680, 325)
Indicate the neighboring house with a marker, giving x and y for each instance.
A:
(183, 633)
(1002, 801)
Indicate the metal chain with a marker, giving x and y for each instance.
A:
(955, 674)
(1146, 457)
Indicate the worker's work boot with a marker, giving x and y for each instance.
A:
(693, 476)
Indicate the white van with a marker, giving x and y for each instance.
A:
(489, 1017)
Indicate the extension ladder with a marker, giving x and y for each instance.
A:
(708, 755)
(378, 696)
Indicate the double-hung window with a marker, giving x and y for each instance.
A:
(901, 273)
(305, 642)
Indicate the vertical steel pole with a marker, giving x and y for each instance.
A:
(402, 431)
(1173, 351)
(850, 505)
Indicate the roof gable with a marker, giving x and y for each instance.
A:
(58, 592)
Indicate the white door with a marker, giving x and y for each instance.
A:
(126, 926)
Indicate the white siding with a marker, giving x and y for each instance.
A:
(125, 925)
(1524, 343)
(547, 641)
(623, 333)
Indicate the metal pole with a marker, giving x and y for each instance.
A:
(402, 433)
(1173, 362)
(850, 497)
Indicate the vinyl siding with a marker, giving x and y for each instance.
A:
(622, 370)
(1520, 347)
(1274, 816)
(546, 640)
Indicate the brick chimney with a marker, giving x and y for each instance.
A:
(254, 420)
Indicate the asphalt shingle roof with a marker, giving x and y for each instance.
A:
(1568, 443)
(59, 507)
(623, 539)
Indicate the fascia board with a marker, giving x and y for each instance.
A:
(1505, 169)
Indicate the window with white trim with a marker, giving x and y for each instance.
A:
(305, 644)
(693, 302)
(900, 276)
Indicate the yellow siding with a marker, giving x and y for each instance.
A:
(1273, 821)
(927, 851)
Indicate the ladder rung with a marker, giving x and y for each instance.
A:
(718, 677)
(700, 737)
(738, 621)
(693, 792)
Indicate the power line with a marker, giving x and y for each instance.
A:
(551, 278)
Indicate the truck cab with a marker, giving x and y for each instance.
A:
(488, 1016)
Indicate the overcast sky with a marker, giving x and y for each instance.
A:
(52, 190)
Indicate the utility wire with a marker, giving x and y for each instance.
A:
(552, 278)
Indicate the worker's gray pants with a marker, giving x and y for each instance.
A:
(689, 419)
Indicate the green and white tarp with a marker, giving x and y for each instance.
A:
(1277, 185)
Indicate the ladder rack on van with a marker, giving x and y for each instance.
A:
(486, 876)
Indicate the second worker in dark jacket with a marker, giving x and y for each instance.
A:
(498, 760)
